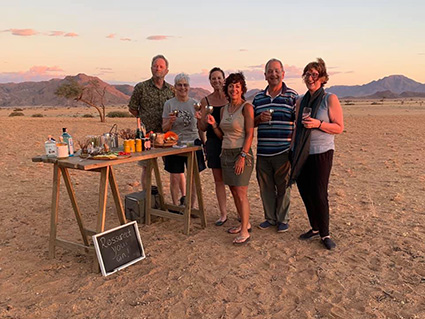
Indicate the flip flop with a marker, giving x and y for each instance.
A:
(220, 222)
(241, 240)
(236, 230)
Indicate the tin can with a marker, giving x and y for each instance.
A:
(132, 146)
(62, 150)
(138, 145)
(127, 146)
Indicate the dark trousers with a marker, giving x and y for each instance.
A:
(313, 184)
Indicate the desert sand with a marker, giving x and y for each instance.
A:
(377, 204)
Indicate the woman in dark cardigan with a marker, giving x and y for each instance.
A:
(319, 118)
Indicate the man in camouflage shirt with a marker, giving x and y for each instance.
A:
(148, 98)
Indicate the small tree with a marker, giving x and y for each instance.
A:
(92, 95)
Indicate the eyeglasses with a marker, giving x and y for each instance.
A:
(314, 76)
(181, 85)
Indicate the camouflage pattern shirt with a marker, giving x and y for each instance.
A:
(149, 101)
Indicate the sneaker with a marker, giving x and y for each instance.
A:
(182, 199)
(309, 234)
(328, 243)
(265, 225)
(282, 227)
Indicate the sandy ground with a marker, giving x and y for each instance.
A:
(377, 220)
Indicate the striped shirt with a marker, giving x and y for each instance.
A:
(274, 137)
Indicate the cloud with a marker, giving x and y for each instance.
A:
(258, 66)
(35, 73)
(125, 39)
(111, 36)
(71, 34)
(22, 32)
(56, 33)
(31, 32)
(243, 50)
(159, 37)
(103, 71)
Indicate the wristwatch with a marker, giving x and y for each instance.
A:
(243, 154)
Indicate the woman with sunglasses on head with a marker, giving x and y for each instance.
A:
(217, 100)
(319, 119)
(237, 131)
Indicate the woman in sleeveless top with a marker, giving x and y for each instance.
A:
(237, 131)
(217, 99)
(314, 147)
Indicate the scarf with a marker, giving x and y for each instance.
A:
(301, 148)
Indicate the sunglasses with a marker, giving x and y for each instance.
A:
(314, 76)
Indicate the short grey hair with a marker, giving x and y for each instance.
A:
(159, 56)
(181, 76)
(274, 60)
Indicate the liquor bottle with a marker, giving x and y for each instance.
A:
(50, 146)
(138, 130)
(67, 138)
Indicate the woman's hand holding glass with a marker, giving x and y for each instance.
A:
(211, 120)
(311, 123)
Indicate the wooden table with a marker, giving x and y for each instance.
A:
(107, 175)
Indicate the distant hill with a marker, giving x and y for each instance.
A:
(393, 85)
(124, 88)
(43, 92)
(251, 94)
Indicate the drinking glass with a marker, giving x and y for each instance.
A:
(271, 111)
(197, 106)
(306, 112)
(210, 109)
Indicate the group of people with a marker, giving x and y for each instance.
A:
(295, 140)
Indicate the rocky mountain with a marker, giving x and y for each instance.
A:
(251, 94)
(43, 93)
(124, 88)
(394, 85)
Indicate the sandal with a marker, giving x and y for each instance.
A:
(241, 240)
(237, 229)
(220, 222)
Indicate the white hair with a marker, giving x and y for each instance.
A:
(274, 60)
(181, 76)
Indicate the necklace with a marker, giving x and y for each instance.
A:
(234, 109)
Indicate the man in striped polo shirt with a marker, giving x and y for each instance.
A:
(274, 111)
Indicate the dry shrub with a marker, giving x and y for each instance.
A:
(119, 114)
(14, 113)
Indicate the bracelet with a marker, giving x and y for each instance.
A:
(320, 124)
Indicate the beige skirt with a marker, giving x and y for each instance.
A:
(228, 159)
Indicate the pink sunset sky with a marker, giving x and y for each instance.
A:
(360, 41)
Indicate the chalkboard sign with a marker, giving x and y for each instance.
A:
(118, 248)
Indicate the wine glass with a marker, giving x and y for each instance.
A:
(271, 111)
(306, 112)
(197, 106)
(210, 109)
